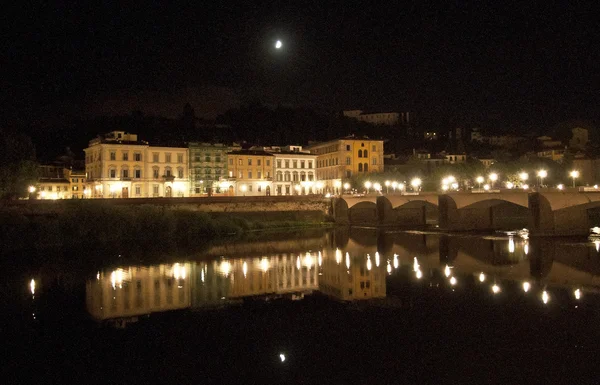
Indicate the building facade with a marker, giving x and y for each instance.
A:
(295, 172)
(379, 118)
(208, 165)
(59, 182)
(344, 158)
(118, 165)
(250, 173)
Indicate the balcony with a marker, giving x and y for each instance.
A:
(168, 178)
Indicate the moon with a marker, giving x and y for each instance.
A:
(278, 44)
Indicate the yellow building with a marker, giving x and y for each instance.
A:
(77, 181)
(250, 173)
(134, 290)
(58, 182)
(118, 165)
(341, 159)
(351, 278)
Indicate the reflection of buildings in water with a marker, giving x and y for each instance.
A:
(134, 290)
(353, 277)
(218, 282)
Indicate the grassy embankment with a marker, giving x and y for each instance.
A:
(101, 224)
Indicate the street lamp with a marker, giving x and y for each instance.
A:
(415, 183)
(523, 176)
(346, 187)
(479, 180)
(387, 186)
(493, 178)
(368, 186)
(394, 185)
(31, 189)
(338, 186)
(244, 188)
(401, 187)
(574, 174)
(509, 185)
(542, 174)
(377, 187)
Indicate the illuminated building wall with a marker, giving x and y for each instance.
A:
(252, 172)
(134, 291)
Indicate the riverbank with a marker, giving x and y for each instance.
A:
(102, 224)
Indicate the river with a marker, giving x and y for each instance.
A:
(324, 306)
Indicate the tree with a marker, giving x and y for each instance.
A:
(18, 168)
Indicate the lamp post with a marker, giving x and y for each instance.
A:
(338, 187)
(493, 178)
(542, 174)
(244, 188)
(401, 186)
(368, 186)
(387, 186)
(346, 187)
(394, 185)
(377, 187)
(415, 183)
(523, 176)
(480, 181)
(574, 174)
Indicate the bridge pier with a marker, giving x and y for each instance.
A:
(466, 219)
(563, 214)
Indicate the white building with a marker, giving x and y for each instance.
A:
(295, 172)
(118, 165)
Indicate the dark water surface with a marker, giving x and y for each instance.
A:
(336, 307)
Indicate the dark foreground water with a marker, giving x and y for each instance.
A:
(337, 307)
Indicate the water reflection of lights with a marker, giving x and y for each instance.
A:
(179, 271)
(452, 281)
(396, 263)
(308, 260)
(282, 357)
(597, 244)
(495, 289)
(32, 286)
(526, 248)
(577, 293)
(116, 278)
(481, 277)
(225, 268)
(244, 269)
(419, 274)
(526, 286)
(202, 275)
(264, 265)
(447, 271)
(320, 259)
(377, 259)
(347, 260)
(511, 245)
(369, 264)
(97, 276)
(545, 297)
(389, 268)
(338, 256)
(298, 264)
(416, 265)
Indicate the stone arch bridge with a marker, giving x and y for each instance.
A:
(543, 213)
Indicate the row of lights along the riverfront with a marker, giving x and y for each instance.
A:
(449, 183)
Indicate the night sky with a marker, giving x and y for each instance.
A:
(501, 64)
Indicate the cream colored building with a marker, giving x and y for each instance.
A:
(118, 165)
(134, 290)
(379, 118)
(250, 173)
(341, 159)
(58, 182)
(295, 172)
(77, 181)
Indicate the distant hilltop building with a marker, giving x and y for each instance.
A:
(379, 118)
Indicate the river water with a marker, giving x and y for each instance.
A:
(343, 306)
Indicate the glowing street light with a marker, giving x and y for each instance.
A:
(486, 187)
(31, 189)
(495, 289)
(394, 185)
(368, 186)
(278, 44)
(415, 183)
(574, 174)
(493, 177)
(387, 186)
(526, 286)
(377, 187)
(401, 187)
(346, 186)
(244, 188)
(509, 185)
(542, 174)
(560, 186)
(479, 180)
(523, 176)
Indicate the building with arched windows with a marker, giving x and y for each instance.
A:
(118, 165)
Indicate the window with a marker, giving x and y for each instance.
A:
(347, 147)
(231, 162)
(239, 162)
(279, 177)
(240, 175)
(155, 157)
(366, 167)
(113, 155)
(249, 161)
(180, 173)
(218, 159)
(155, 190)
(362, 144)
(302, 164)
(179, 158)
(196, 158)
(207, 158)
(360, 153)
(137, 173)
(278, 163)
(295, 164)
(249, 174)
(168, 158)
(258, 174)
(258, 162)
(74, 188)
(374, 161)
(167, 171)
(125, 155)
(374, 148)
(112, 173)
(348, 161)
(268, 162)
(250, 188)
(287, 164)
(360, 167)
(365, 153)
(137, 157)
(310, 164)
(348, 174)
(287, 190)
(125, 173)
(155, 173)
(138, 189)
(259, 188)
